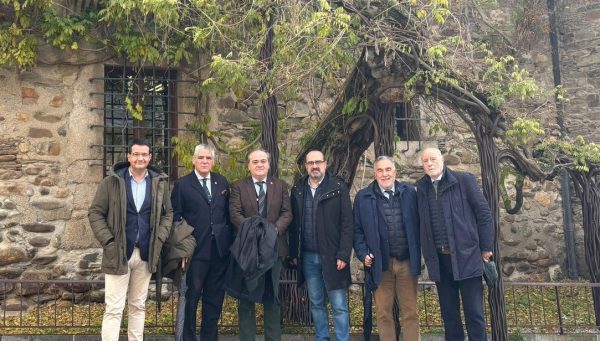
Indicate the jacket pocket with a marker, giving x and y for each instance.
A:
(110, 255)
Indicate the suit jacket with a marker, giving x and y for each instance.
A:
(243, 203)
(206, 217)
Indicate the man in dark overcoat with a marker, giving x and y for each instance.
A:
(456, 239)
(266, 196)
(321, 244)
(202, 199)
(386, 240)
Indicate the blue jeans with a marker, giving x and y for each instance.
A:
(311, 266)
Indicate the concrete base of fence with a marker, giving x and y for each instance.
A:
(287, 337)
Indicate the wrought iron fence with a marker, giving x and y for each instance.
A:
(76, 307)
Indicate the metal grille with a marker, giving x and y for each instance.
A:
(155, 91)
(408, 122)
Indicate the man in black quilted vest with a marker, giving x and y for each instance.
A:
(386, 240)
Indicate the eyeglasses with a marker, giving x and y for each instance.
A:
(142, 155)
(315, 163)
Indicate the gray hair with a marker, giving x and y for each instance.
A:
(260, 150)
(202, 146)
(384, 157)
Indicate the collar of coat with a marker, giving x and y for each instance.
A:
(373, 189)
(448, 180)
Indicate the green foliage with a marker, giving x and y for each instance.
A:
(437, 9)
(135, 109)
(579, 154)
(64, 32)
(17, 47)
(506, 79)
(517, 335)
(523, 131)
(355, 105)
(428, 79)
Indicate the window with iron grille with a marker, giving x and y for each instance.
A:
(408, 122)
(155, 92)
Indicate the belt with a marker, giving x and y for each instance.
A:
(444, 250)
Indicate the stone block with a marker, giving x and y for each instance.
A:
(10, 175)
(37, 278)
(12, 255)
(12, 272)
(8, 158)
(47, 118)
(37, 133)
(44, 298)
(9, 205)
(23, 117)
(38, 228)
(54, 149)
(57, 101)
(543, 199)
(48, 204)
(34, 169)
(15, 304)
(44, 257)
(27, 92)
(451, 160)
(78, 235)
(23, 148)
(297, 109)
(39, 241)
(234, 116)
(62, 192)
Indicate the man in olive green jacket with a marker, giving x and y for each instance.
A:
(131, 217)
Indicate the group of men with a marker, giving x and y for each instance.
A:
(446, 217)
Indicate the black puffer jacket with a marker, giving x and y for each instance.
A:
(253, 253)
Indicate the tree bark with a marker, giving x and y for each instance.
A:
(268, 108)
(489, 176)
(587, 188)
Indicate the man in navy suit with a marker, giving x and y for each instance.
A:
(201, 198)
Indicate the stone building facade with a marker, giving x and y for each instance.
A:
(51, 157)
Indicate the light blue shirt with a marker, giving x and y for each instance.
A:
(257, 187)
(138, 190)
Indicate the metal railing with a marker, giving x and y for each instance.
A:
(76, 307)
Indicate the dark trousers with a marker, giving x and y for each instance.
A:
(205, 279)
(471, 294)
(272, 310)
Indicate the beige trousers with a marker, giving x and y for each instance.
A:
(397, 282)
(134, 287)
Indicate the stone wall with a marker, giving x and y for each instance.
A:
(579, 26)
(46, 180)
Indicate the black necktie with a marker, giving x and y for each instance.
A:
(206, 189)
(390, 194)
(262, 209)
